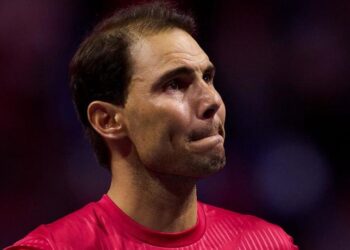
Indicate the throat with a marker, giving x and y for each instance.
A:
(159, 202)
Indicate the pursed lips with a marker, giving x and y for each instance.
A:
(208, 131)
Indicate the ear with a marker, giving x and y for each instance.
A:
(106, 119)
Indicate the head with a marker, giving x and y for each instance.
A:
(141, 77)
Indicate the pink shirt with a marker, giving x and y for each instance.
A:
(102, 225)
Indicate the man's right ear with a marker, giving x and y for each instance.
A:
(106, 119)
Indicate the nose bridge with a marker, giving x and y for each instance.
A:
(208, 100)
(208, 92)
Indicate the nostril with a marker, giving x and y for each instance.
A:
(209, 112)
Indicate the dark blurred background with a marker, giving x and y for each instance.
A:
(283, 72)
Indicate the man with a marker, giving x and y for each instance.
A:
(143, 89)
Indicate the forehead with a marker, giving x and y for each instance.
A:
(155, 54)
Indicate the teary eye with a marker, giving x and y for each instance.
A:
(173, 84)
(208, 77)
(177, 84)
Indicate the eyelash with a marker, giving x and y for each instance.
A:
(178, 84)
(210, 77)
(174, 84)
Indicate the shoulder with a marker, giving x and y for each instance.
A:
(241, 221)
(79, 226)
(248, 229)
(37, 239)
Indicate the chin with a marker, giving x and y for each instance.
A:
(204, 167)
(188, 164)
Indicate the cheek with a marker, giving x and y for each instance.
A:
(142, 125)
(157, 133)
(157, 124)
(178, 119)
(222, 113)
(154, 119)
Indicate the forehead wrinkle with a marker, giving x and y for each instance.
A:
(198, 67)
(198, 64)
(163, 55)
(165, 58)
(173, 61)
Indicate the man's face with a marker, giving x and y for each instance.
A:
(173, 114)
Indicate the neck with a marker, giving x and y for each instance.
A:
(160, 202)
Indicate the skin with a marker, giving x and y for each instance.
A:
(169, 133)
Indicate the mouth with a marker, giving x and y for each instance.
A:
(207, 138)
(206, 132)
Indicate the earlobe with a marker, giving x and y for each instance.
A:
(106, 119)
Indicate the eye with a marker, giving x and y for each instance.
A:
(173, 84)
(208, 77)
(177, 84)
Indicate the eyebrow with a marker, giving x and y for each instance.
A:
(183, 70)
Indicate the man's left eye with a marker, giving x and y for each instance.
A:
(207, 77)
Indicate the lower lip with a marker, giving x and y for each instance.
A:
(206, 143)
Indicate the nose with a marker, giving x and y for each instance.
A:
(209, 102)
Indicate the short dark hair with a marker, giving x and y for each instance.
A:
(101, 67)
